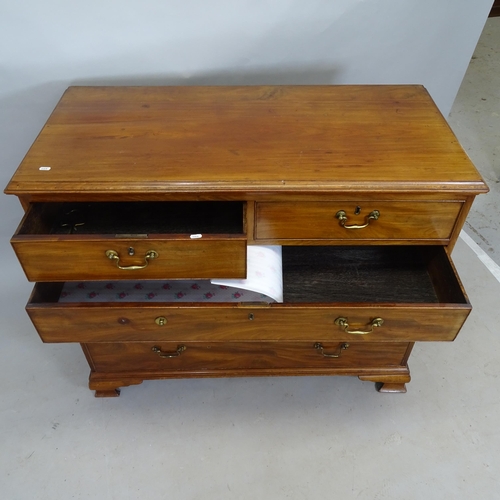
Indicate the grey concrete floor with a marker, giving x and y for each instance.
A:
(475, 119)
(265, 438)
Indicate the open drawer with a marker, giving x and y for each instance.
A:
(132, 240)
(342, 294)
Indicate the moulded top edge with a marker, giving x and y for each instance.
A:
(282, 187)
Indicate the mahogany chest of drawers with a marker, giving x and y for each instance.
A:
(365, 188)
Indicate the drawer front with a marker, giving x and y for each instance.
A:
(50, 259)
(89, 323)
(241, 356)
(384, 221)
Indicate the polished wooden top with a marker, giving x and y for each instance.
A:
(246, 139)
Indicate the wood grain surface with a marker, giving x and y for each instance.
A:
(249, 139)
(241, 356)
(407, 221)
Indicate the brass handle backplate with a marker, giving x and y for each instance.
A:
(180, 349)
(113, 255)
(319, 347)
(344, 324)
(342, 217)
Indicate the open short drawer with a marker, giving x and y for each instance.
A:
(379, 294)
(132, 240)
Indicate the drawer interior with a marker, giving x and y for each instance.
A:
(388, 274)
(136, 218)
(330, 274)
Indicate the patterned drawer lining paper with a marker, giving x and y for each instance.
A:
(156, 291)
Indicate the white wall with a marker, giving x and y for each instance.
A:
(47, 45)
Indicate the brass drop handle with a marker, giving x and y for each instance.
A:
(113, 255)
(180, 349)
(342, 217)
(344, 324)
(319, 347)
